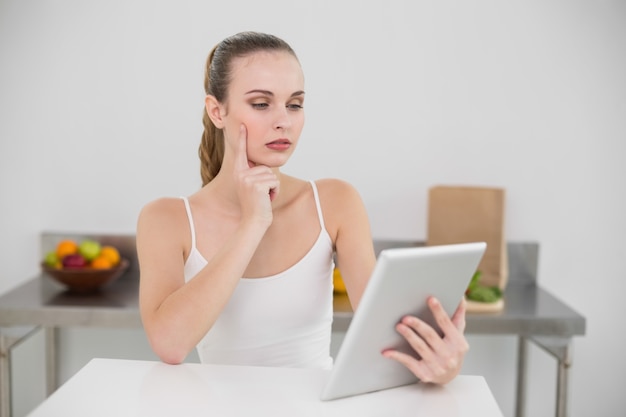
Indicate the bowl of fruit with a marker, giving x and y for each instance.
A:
(84, 266)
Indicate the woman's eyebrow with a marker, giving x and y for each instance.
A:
(269, 93)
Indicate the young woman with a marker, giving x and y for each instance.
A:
(242, 269)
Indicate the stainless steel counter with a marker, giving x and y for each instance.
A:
(530, 312)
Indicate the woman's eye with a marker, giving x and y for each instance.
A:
(295, 106)
(259, 105)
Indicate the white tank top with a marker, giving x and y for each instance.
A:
(281, 320)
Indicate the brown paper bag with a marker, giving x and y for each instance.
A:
(471, 214)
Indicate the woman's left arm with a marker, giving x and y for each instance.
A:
(441, 357)
(348, 226)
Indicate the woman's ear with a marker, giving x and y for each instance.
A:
(215, 111)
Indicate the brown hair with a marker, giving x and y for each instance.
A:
(217, 78)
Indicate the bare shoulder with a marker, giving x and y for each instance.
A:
(162, 209)
(163, 204)
(341, 204)
(337, 192)
(163, 219)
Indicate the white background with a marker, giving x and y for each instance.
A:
(100, 112)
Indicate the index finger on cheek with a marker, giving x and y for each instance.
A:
(242, 148)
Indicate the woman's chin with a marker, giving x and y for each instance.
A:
(276, 161)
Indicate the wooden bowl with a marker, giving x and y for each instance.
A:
(85, 280)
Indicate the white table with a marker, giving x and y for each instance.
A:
(113, 387)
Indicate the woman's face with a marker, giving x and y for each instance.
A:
(266, 94)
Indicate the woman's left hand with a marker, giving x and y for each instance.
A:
(441, 356)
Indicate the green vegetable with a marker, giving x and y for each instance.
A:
(474, 282)
(485, 294)
(481, 293)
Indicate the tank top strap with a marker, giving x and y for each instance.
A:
(317, 204)
(191, 226)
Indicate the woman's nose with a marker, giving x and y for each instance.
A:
(282, 119)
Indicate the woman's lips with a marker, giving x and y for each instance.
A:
(279, 144)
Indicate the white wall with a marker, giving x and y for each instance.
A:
(100, 106)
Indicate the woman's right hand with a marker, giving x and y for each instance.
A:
(257, 185)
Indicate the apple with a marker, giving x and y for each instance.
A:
(52, 260)
(74, 261)
(89, 249)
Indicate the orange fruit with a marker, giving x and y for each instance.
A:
(338, 285)
(101, 262)
(66, 247)
(110, 253)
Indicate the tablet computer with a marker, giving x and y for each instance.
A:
(400, 284)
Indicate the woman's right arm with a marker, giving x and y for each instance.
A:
(176, 315)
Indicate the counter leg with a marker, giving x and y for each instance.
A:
(520, 398)
(561, 383)
(5, 376)
(560, 348)
(52, 368)
(10, 337)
